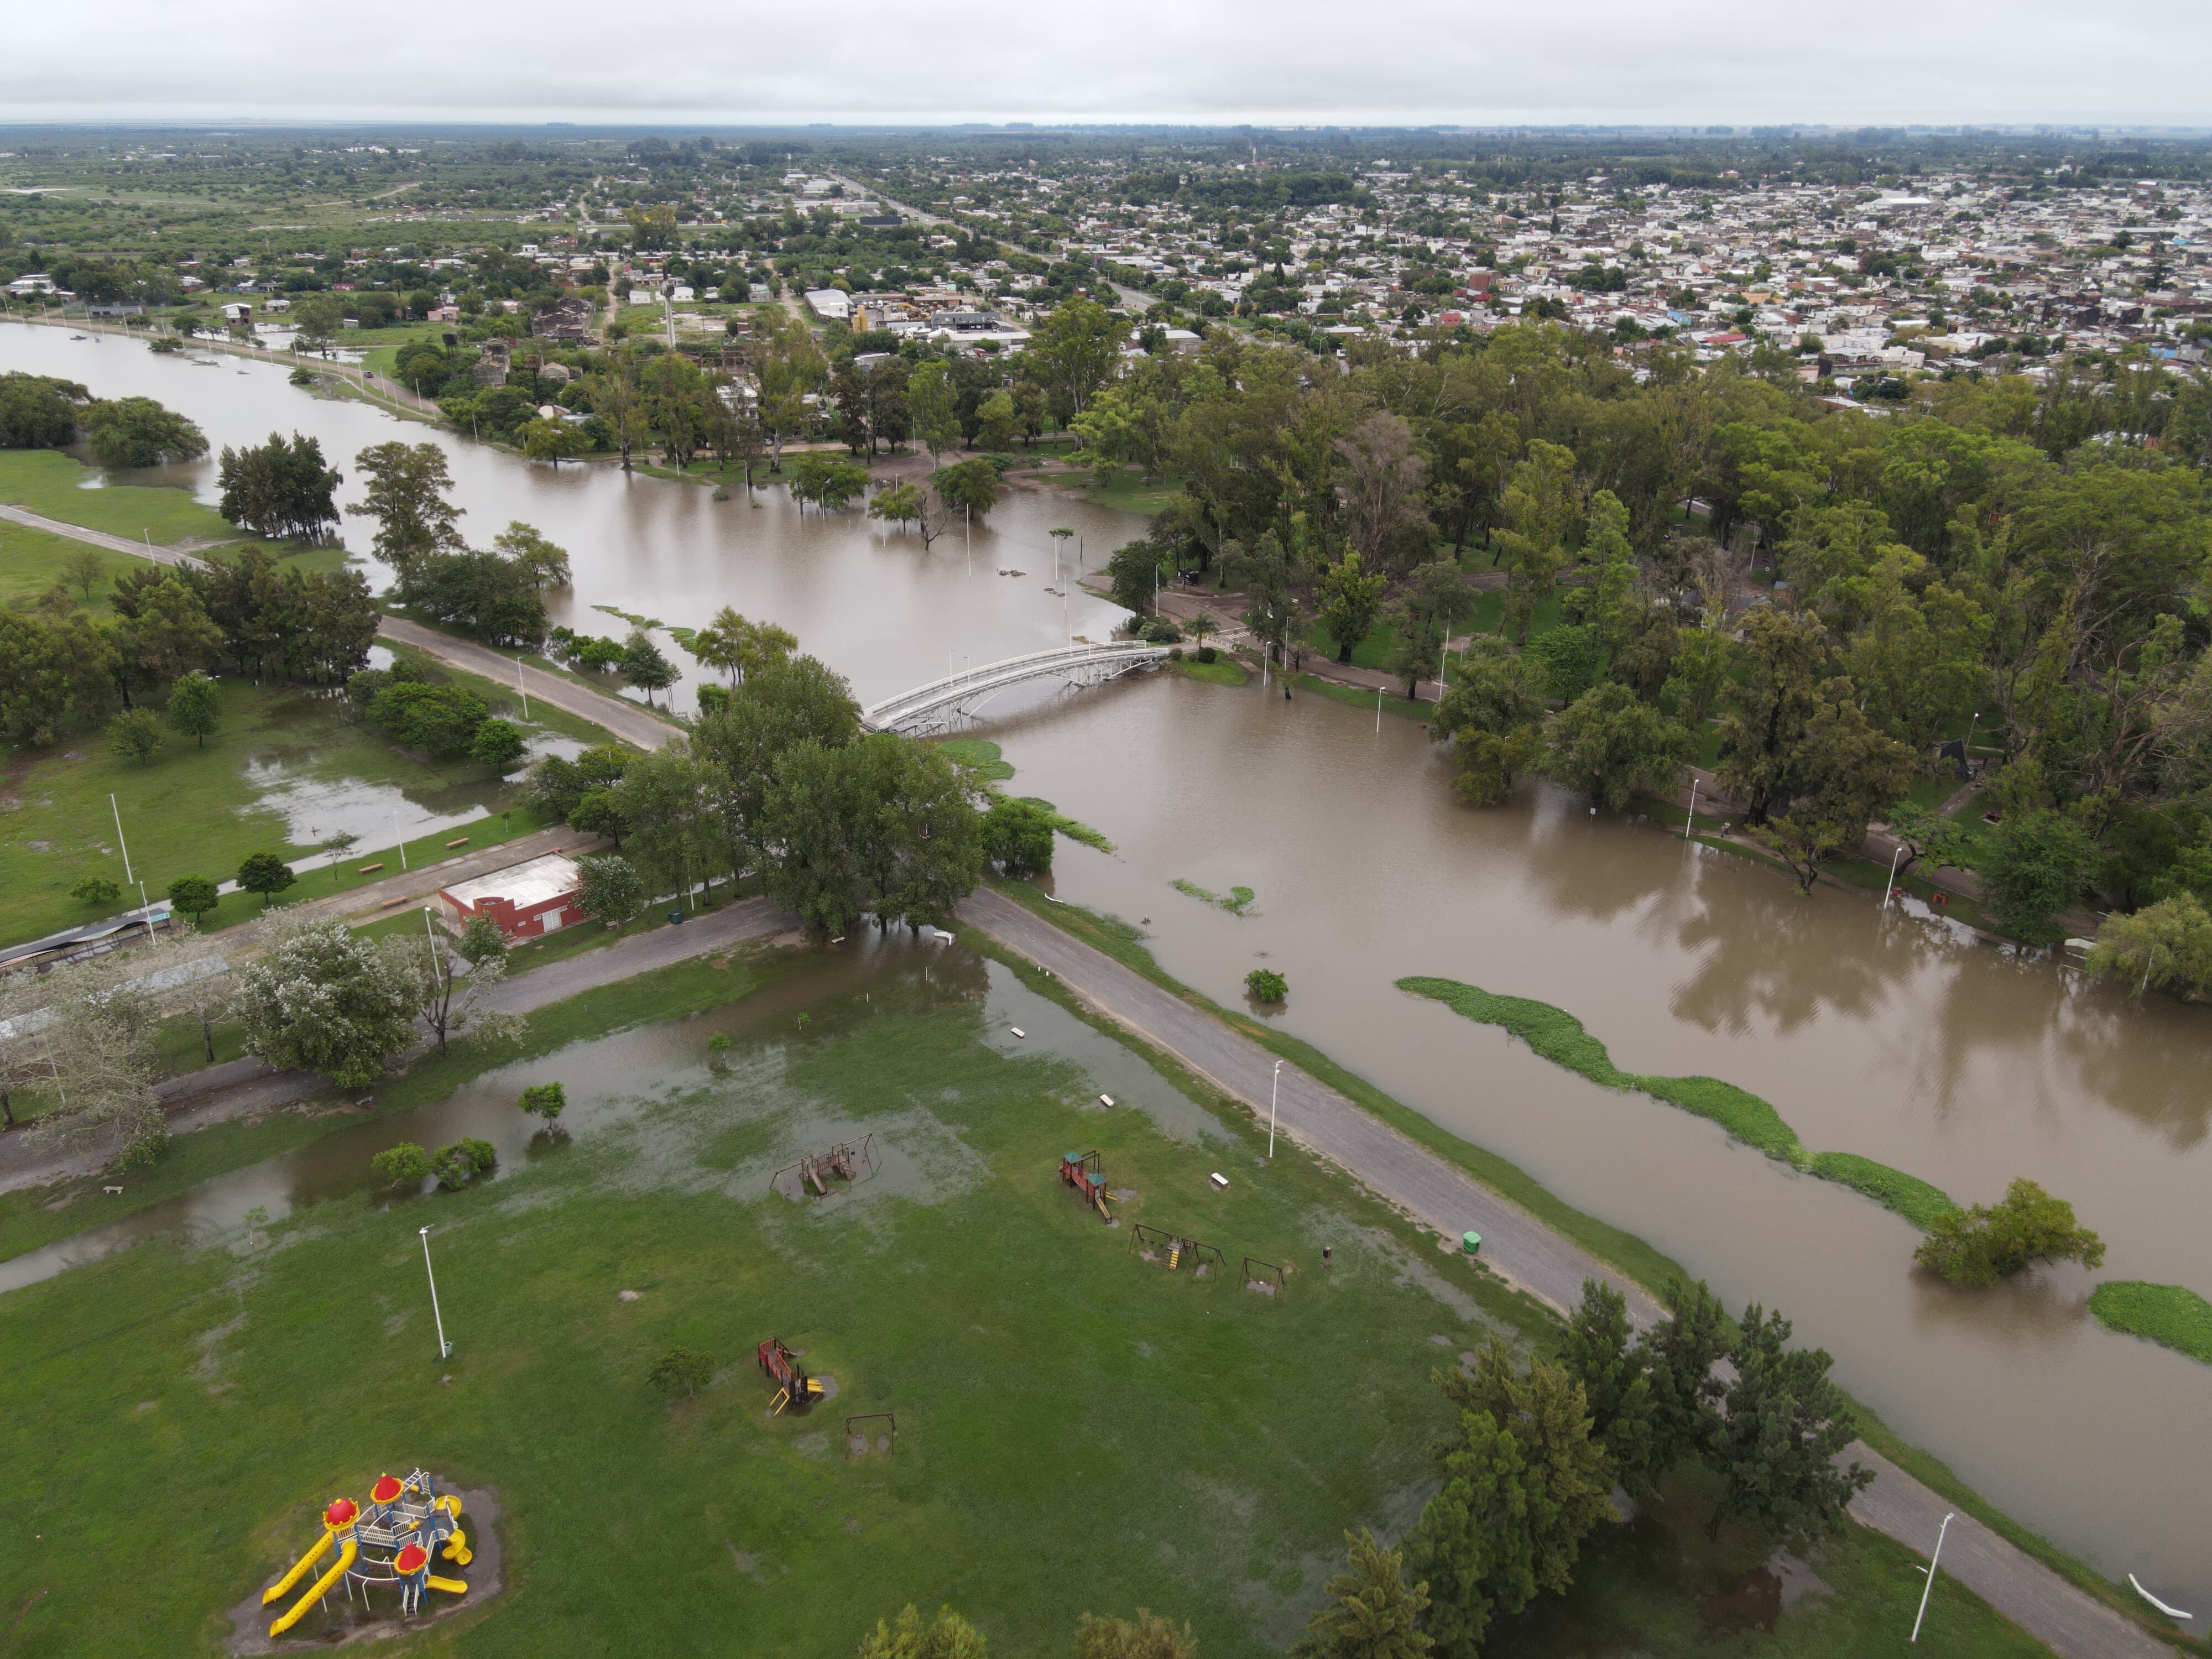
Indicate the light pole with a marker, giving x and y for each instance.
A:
(1929, 1588)
(1273, 1088)
(1895, 858)
(402, 840)
(444, 1348)
(523, 689)
(119, 842)
(1693, 819)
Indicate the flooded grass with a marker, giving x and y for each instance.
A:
(2170, 1314)
(1069, 1417)
(284, 770)
(1559, 1036)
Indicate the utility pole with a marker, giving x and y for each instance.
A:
(1929, 1588)
(444, 1348)
(119, 842)
(1273, 1089)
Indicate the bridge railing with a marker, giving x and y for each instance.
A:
(993, 674)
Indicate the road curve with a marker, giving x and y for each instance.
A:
(641, 726)
(1525, 1253)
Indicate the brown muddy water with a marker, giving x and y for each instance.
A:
(866, 599)
(1894, 1036)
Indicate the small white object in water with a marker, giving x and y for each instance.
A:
(2171, 1612)
(1017, 1031)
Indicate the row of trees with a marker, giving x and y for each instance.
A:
(778, 781)
(38, 412)
(61, 670)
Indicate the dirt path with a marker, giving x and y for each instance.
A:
(1525, 1252)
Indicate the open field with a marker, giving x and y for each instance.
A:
(285, 767)
(1077, 1428)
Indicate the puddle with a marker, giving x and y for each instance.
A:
(316, 808)
(668, 1112)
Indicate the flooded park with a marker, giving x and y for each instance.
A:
(1891, 1034)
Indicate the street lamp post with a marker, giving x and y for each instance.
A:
(1693, 819)
(119, 842)
(402, 840)
(1929, 1588)
(1273, 1089)
(444, 1348)
(1894, 860)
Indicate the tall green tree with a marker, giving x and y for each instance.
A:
(1597, 1353)
(1782, 1423)
(1371, 1611)
(1569, 1473)
(1608, 745)
(1541, 503)
(1346, 601)
(195, 706)
(1473, 1544)
(406, 496)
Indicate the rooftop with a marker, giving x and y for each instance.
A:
(522, 884)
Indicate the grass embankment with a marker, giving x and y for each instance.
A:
(2169, 1314)
(1235, 900)
(1361, 696)
(984, 758)
(1559, 1036)
(285, 767)
(1639, 1260)
(1222, 671)
(32, 561)
(56, 485)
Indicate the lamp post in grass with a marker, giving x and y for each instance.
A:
(444, 1348)
(1274, 1090)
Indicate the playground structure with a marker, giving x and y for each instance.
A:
(844, 1161)
(781, 1366)
(1263, 1276)
(391, 1542)
(1175, 1251)
(1084, 1172)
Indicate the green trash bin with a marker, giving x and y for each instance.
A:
(1470, 1242)
(676, 915)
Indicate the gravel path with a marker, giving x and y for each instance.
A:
(1525, 1252)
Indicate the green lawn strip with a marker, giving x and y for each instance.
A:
(1618, 1248)
(1609, 1243)
(981, 755)
(1559, 1036)
(54, 485)
(1022, 1344)
(1918, 1202)
(1234, 900)
(1372, 652)
(2170, 1314)
(1073, 828)
(31, 562)
(1222, 671)
(32, 1217)
(503, 697)
(1362, 696)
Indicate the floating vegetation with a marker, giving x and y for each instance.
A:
(1235, 900)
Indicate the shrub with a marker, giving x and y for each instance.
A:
(681, 1371)
(1207, 653)
(193, 895)
(1265, 985)
(1017, 836)
(96, 890)
(459, 1162)
(545, 1100)
(2037, 863)
(1979, 1246)
(402, 1165)
(135, 734)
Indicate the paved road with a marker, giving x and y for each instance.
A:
(1524, 1251)
(238, 1088)
(627, 720)
(178, 555)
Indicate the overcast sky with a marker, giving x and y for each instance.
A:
(1381, 62)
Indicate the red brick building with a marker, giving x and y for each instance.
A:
(528, 901)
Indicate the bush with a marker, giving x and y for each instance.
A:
(1265, 985)
(142, 1151)
(441, 719)
(498, 744)
(545, 1100)
(135, 734)
(1017, 836)
(403, 1164)
(459, 1162)
(1979, 1246)
(96, 890)
(266, 874)
(193, 895)
(1207, 653)
(681, 1371)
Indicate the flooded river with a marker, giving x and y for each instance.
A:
(1892, 1036)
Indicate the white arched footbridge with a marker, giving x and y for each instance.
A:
(932, 706)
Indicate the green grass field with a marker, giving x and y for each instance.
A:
(1078, 1429)
(60, 486)
(201, 811)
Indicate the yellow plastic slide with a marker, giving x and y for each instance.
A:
(282, 1587)
(450, 1586)
(317, 1590)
